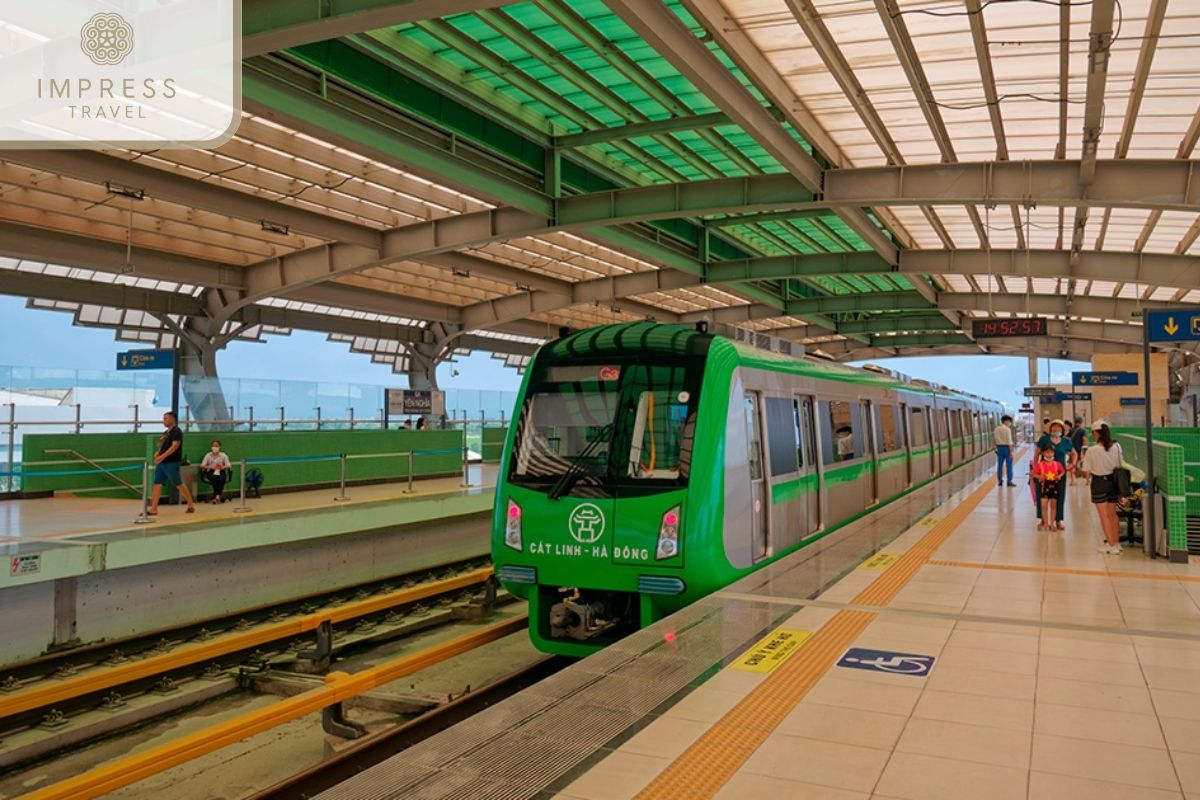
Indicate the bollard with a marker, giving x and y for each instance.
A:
(410, 473)
(342, 479)
(242, 489)
(145, 517)
(12, 444)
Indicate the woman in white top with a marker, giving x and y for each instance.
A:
(217, 465)
(1099, 463)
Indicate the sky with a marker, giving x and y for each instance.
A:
(50, 339)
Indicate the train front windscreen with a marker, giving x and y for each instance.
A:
(607, 430)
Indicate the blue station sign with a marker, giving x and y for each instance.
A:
(1066, 397)
(146, 359)
(1104, 379)
(1133, 401)
(1176, 325)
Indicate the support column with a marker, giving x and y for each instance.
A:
(198, 371)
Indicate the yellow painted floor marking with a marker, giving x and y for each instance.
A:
(1098, 573)
(712, 760)
(772, 650)
(879, 561)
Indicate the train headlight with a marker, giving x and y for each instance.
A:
(512, 526)
(668, 535)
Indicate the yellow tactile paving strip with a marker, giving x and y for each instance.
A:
(715, 757)
(1099, 573)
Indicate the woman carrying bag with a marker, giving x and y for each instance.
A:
(1103, 464)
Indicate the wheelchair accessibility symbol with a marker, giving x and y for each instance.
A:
(886, 661)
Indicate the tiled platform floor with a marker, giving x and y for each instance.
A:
(1061, 673)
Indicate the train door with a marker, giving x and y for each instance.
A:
(904, 433)
(760, 509)
(871, 453)
(809, 472)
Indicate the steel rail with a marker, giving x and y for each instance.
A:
(91, 681)
(339, 686)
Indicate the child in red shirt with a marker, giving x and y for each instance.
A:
(1049, 474)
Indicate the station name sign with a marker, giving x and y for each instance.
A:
(1008, 326)
(404, 402)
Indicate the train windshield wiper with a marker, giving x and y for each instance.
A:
(576, 469)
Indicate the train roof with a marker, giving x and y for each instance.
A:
(667, 339)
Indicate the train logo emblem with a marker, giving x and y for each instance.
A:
(586, 523)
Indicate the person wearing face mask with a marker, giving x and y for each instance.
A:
(1048, 474)
(216, 466)
(1064, 453)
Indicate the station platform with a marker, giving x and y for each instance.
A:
(939, 648)
(82, 570)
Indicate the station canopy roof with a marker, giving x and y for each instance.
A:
(862, 177)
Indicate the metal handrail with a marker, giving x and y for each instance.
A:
(95, 465)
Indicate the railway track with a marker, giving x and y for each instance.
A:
(385, 744)
(52, 703)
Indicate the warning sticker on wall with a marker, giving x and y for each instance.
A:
(772, 650)
(25, 565)
(880, 561)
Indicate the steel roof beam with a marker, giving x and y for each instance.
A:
(1050, 305)
(1076, 350)
(98, 168)
(1149, 268)
(867, 301)
(635, 129)
(663, 31)
(734, 42)
(897, 322)
(1154, 22)
(269, 25)
(55, 247)
(115, 295)
(605, 290)
(1166, 184)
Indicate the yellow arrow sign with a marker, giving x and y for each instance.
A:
(1171, 328)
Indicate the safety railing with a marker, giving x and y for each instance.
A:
(472, 426)
(406, 470)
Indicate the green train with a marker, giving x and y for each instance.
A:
(649, 464)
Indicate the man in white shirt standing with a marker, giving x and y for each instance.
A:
(1002, 438)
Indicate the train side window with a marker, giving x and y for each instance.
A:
(783, 436)
(809, 433)
(889, 439)
(846, 443)
(920, 433)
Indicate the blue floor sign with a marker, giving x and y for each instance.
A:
(887, 661)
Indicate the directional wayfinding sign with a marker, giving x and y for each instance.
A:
(146, 359)
(1177, 325)
(1040, 391)
(1104, 378)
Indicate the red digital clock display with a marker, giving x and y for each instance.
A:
(1024, 326)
